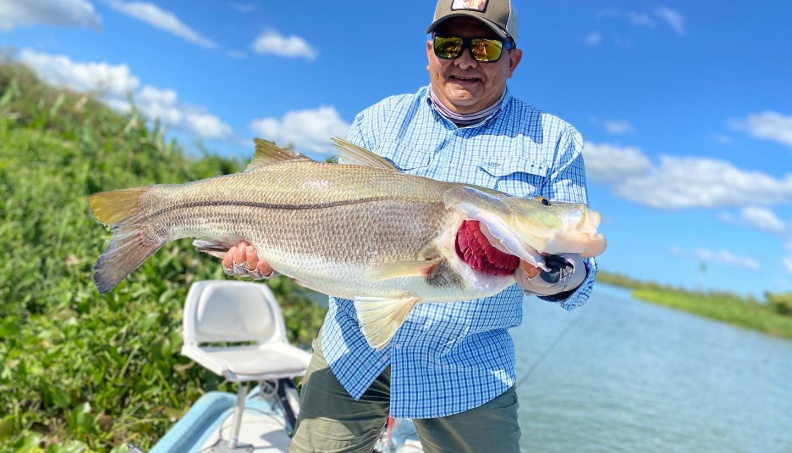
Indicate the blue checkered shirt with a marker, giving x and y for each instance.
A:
(452, 357)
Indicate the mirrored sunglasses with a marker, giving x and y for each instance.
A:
(481, 49)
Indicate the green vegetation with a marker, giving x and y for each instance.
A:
(80, 371)
(772, 316)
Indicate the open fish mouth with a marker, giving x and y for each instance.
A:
(529, 228)
(479, 250)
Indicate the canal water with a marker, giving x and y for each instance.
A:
(621, 375)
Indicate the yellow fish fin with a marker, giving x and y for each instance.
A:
(398, 269)
(381, 317)
(268, 152)
(130, 244)
(115, 206)
(351, 154)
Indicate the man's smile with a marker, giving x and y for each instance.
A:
(464, 80)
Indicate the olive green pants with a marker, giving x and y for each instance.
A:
(332, 421)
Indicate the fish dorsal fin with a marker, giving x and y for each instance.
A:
(355, 155)
(268, 152)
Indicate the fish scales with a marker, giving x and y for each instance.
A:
(365, 232)
(328, 230)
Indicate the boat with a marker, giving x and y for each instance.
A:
(236, 330)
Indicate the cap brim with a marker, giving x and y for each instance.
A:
(487, 22)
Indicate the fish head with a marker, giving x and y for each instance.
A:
(528, 227)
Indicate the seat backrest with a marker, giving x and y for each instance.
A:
(232, 311)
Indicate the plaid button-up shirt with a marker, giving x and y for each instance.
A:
(451, 357)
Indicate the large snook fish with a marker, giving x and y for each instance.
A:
(362, 231)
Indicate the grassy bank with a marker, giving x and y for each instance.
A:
(79, 370)
(773, 315)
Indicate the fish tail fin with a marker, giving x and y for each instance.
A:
(381, 317)
(130, 245)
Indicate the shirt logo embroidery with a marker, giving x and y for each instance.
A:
(470, 5)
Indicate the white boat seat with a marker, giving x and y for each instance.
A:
(263, 363)
(227, 311)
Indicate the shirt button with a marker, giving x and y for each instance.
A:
(397, 346)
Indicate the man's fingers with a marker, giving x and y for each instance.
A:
(251, 257)
(228, 259)
(239, 254)
(264, 268)
(242, 260)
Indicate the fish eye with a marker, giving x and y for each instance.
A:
(545, 201)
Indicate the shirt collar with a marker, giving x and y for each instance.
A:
(427, 99)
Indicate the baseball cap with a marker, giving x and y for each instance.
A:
(496, 14)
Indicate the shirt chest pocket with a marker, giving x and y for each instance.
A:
(518, 177)
(407, 159)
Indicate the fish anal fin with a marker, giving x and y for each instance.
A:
(381, 317)
(399, 269)
(268, 152)
(352, 154)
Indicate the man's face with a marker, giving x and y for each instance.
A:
(465, 85)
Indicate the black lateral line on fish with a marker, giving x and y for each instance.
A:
(260, 205)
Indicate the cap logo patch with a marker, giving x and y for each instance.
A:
(470, 5)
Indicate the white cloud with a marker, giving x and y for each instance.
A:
(610, 164)
(787, 262)
(47, 12)
(681, 182)
(767, 125)
(762, 218)
(164, 20)
(272, 42)
(673, 18)
(164, 105)
(691, 182)
(726, 257)
(593, 39)
(243, 7)
(641, 19)
(60, 70)
(668, 16)
(716, 257)
(618, 127)
(307, 130)
(115, 82)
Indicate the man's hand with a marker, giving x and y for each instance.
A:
(566, 273)
(243, 261)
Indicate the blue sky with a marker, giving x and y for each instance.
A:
(685, 107)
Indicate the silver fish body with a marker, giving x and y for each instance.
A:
(364, 232)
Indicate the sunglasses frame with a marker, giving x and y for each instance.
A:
(506, 44)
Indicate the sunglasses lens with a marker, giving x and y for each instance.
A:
(450, 47)
(447, 47)
(486, 49)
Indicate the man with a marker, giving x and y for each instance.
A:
(450, 367)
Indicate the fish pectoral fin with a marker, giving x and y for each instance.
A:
(398, 269)
(214, 248)
(381, 317)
